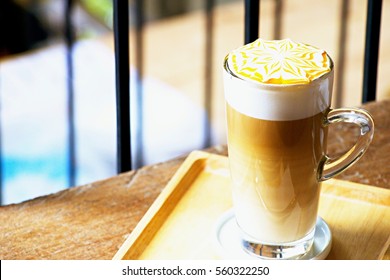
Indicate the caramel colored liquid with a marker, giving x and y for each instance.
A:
(274, 171)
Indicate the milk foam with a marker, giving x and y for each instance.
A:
(278, 102)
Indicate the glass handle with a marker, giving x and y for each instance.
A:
(331, 167)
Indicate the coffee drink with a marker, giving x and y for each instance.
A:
(276, 140)
(278, 96)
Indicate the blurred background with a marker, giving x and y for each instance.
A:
(176, 52)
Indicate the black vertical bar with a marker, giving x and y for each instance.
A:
(69, 39)
(139, 24)
(371, 52)
(339, 81)
(278, 10)
(122, 75)
(208, 72)
(251, 28)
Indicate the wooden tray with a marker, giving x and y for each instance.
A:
(179, 224)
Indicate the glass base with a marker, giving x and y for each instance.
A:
(228, 243)
(293, 250)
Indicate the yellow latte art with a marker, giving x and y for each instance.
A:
(279, 62)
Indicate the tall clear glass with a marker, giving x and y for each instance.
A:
(277, 138)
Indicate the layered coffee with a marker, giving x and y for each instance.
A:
(278, 94)
(274, 172)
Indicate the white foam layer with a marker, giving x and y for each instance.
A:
(278, 102)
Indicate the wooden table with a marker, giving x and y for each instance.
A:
(92, 221)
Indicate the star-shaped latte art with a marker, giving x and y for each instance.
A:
(279, 62)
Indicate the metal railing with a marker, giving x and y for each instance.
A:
(69, 37)
(371, 52)
(122, 70)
